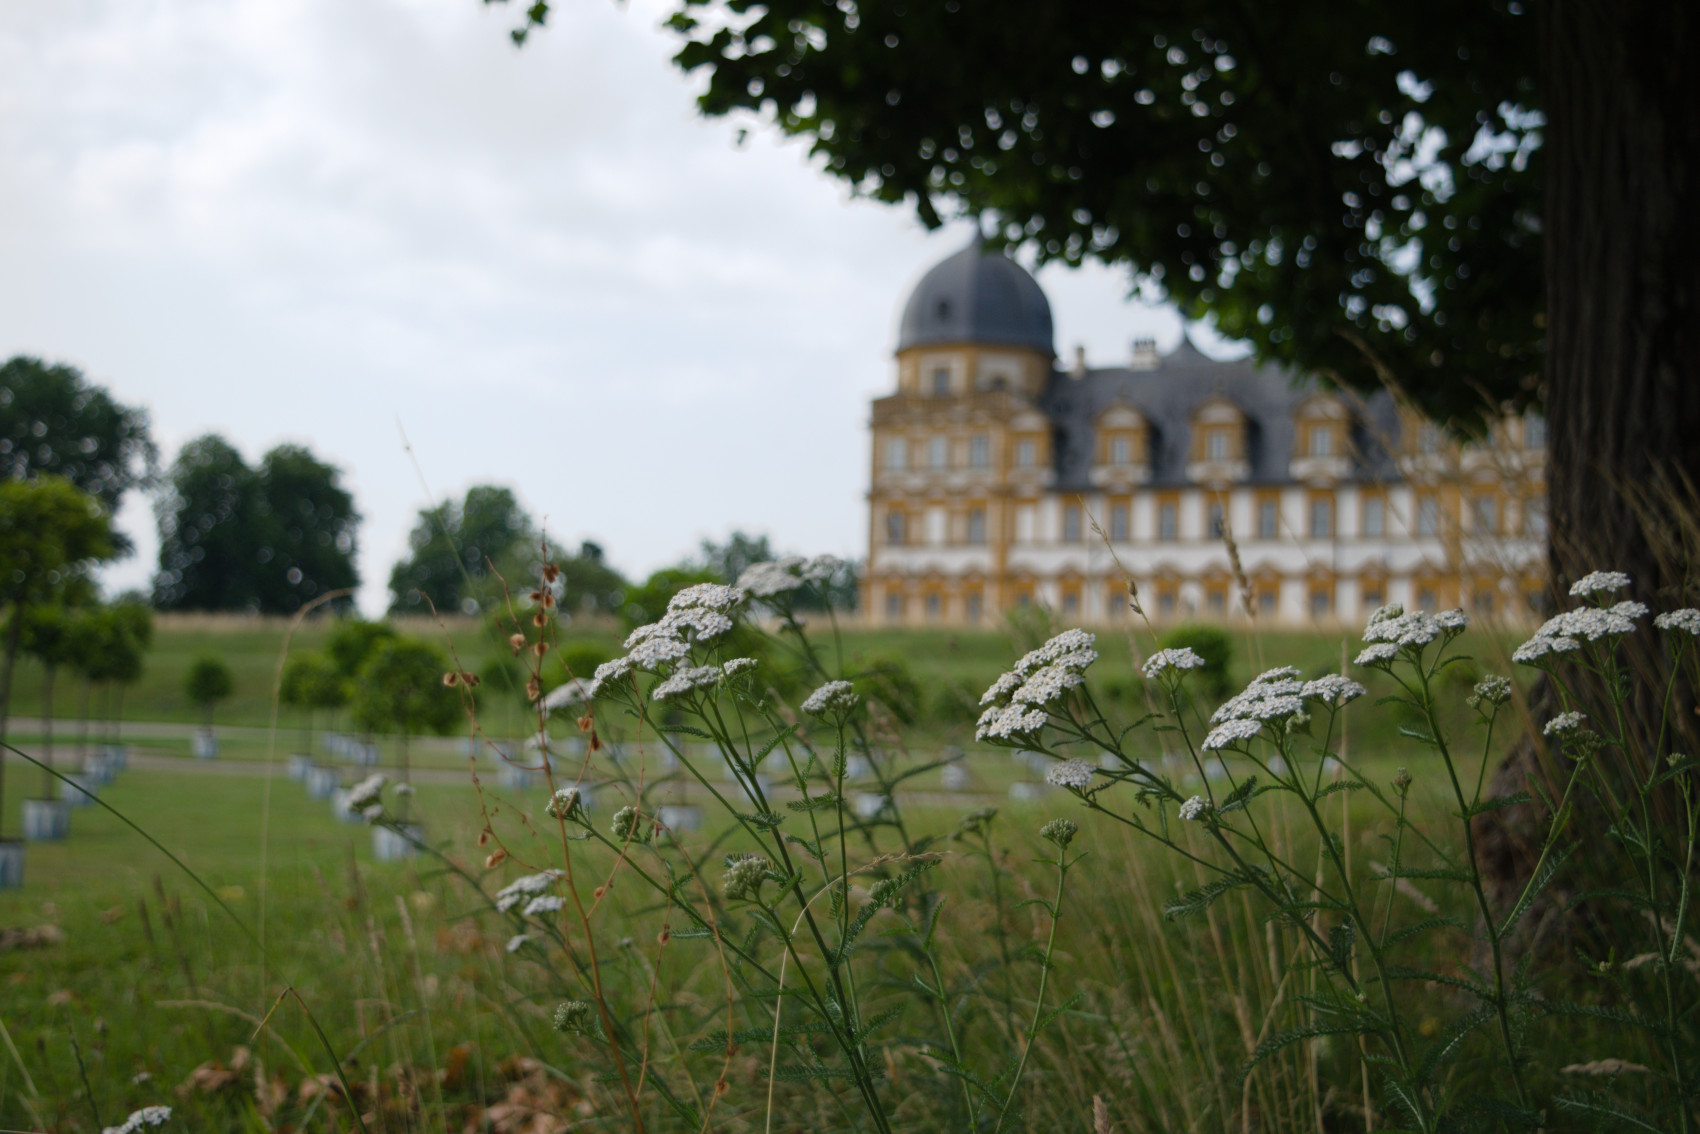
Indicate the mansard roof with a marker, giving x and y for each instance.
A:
(1169, 393)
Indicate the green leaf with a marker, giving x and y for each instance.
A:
(1535, 886)
(814, 802)
(1240, 796)
(1494, 803)
(1289, 1037)
(1196, 901)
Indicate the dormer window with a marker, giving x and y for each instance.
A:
(1121, 450)
(941, 382)
(1216, 445)
(1534, 432)
(1321, 441)
(1026, 452)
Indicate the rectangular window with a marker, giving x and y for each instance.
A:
(938, 452)
(1218, 520)
(1168, 520)
(976, 525)
(1217, 601)
(1374, 596)
(893, 607)
(897, 453)
(1071, 524)
(938, 526)
(1375, 518)
(1428, 516)
(1118, 523)
(1482, 603)
(896, 527)
(941, 382)
(979, 451)
(1534, 432)
(1268, 519)
(1166, 603)
(1116, 602)
(1484, 515)
(1026, 452)
(935, 607)
(1427, 600)
(1321, 441)
(973, 605)
(1321, 601)
(1025, 521)
(1121, 451)
(1216, 445)
(1071, 603)
(1266, 600)
(1321, 517)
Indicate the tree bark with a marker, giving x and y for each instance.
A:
(1622, 368)
(47, 730)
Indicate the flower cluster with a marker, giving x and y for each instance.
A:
(574, 1017)
(1196, 809)
(1180, 658)
(687, 680)
(1016, 699)
(1060, 832)
(1069, 774)
(566, 803)
(517, 942)
(781, 576)
(734, 666)
(628, 826)
(147, 1116)
(1567, 630)
(1686, 620)
(1491, 690)
(573, 691)
(833, 697)
(1565, 724)
(696, 615)
(1274, 695)
(1332, 689)
(744, 876)
(368, 794)
(1414, 629)
(543, 904)
(1598, 582)
(521, 889)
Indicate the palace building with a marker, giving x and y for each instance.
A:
(1001, 478)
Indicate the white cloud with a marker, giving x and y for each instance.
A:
(312, 220)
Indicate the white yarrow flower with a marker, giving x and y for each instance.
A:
(1333, 689)
(147, 1116)
(1596, 582)
(367, 792)
(688, 680)
(1046, 685)
(1002, 688)
(709, 596)
(1376, 654)
(545, 903)
(1195, 809)
(833, 697)
(1686, 620)
(1070, 774)
(1182, 657)
(1565, 724)
(1229, 732)
(735, 666)
(1006, 722)
(517, 942)
(564, 803)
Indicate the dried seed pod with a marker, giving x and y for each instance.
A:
(497, 857)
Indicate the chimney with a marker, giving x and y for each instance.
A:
(1144, 354)
(1078, 370)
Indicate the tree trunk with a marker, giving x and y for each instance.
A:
(83, 723)
(12, 633)
(47, 730)
(1622, 371)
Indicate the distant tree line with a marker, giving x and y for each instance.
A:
(273, 535)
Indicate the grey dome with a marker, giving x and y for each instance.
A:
(981, 297)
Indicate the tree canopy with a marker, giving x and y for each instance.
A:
(53, 421)
(208, 682)
(266, 538)
(401, 689)
(1352, 188)
(452, 546)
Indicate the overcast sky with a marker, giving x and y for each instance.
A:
(333, 221)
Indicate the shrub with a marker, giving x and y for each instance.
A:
(1211, 643)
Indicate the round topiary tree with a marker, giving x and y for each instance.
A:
(400, 689)
(208, 682)
(1215, 646)
(311, 682)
